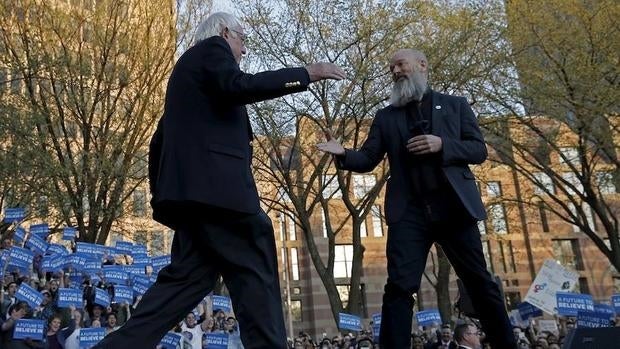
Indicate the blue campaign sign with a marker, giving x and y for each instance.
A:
(568, 304)
(20, 235)
(89, 249)
(29, 295)
(216, 340)
(14, 214)
(76, 261)
(592, 319)
(37, 244)
(102, 297)
(139, 288)
(52, 264)
(376, 319)
(221, 302)
(57, 249)
(123, 294)
(138, 249)
(92, 264)
(134, 269)
(143, 279)
(615, 302)
(28, 328)
(114, 274)
(70, 296)
(142, 261)
(124, 246)
(349, 322)
(20, 256)
(42, 230)
(527, 310)
(160, 262)
(69, 233)
(605, 309)
(171, 341)
(91, 336)
(428, 317)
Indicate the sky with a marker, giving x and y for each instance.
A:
(223, 5)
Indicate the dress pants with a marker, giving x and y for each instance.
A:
(408, 244)
(238, 246)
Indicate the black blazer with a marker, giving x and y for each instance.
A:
(201, 151)
(463, 144)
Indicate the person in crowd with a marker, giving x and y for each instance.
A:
(111, 324)
(56, 337)
(48, 307)
(96, 314)
(7, 297)
(430, 139)
(202, 186)
(73, 340)
(192, 330)
(15, 312)
(467, 336)
(326, 343)
(417, 341)
(444, 339)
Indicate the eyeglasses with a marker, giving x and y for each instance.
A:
(241, 35)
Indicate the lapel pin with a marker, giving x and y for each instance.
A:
(437, 107)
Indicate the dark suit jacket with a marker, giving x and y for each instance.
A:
(200, 154)
(463, 144)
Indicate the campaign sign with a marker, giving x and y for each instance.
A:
(615, 302)
(550, 326)
(20, 235)
(29, 295)
(70, 296)
(592, 319)
(91, 336)
(20, 256)
(142, 261)
(14, 215)
(76, 261)
(568, 304)
(123, 294)
(216, 340)
(138, 249)
(143, 279)
(551, 278)
(28, 328)
(139, 288)
(124, 246)
(90, 249)
(605, 309)
(221, 302)
(57, 249)
(42, 230)
(376, 319)
(171, 341)
(526, 310)
(160, 262)
(52, 264)
(102, 297)
(114, 274)
(349, 322)
(37, 244)
(428, 317)
(69, 233)
(134, 269)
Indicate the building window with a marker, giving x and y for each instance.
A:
(296, 290)
(294, 264)
(498, 219)
(296, 310)
(283, 195)
(494, 189)
(343, 261)
(587, 210)
(324, 223)
(139, 203)
(569, 155)
(544, 184)
(543, 217)
(573, 210)
(502, 254)
(605, 182)
(281, 218)
(362, 184)
(482, 228)
(510, 254)
(363, 231)
(292, 233)
(583, 286)
(486, 250)
(571, 178)
(343, 291)
(377, 222)
(568, 253)
(331, 188)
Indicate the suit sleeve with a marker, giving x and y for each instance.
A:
(470, 147)
(226, 80)
(369, 155)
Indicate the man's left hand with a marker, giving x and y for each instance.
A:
(424, 144)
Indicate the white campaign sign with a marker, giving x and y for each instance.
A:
(551, 278)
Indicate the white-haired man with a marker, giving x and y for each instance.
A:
(430, 139)
(203, 188)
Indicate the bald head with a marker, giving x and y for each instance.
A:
(414, 58)
(409, 70)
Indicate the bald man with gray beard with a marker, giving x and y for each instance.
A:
(430, 140)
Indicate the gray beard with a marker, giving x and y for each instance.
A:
(407, 89)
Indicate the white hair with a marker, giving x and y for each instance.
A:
(215, 24)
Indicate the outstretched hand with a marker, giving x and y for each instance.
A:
(331, 145)
(324, 70)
